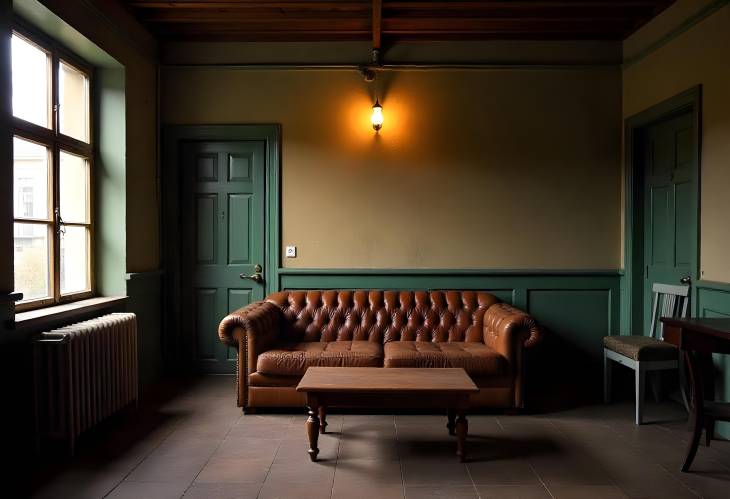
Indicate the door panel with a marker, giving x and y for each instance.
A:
(239, 207)
(206, 213)
(222, 213)
(661, 250)
(683, 237)
(670, 205)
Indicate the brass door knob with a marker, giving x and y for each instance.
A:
(257, 277)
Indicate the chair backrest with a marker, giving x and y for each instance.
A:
(669, 301)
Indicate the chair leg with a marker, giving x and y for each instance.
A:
(656, 385)
(639, 378)
(683, 387)
(606, 378)
(709, 430)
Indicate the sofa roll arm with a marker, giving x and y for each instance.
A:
(507, 325)
(260, 320)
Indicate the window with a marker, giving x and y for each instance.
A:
(52, 170)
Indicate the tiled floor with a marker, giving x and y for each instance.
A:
(197, 444)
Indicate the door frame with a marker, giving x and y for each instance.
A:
(634, 126)
(174, 350)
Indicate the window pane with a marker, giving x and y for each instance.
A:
(73, 90)
(74, 188)
(74, 258)
(31, 82)
(32, 256)
(30, 179)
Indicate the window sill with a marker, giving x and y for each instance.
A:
(50, 317)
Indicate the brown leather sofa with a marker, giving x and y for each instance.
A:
(280, 337)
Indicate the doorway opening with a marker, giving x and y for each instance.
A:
(662, 202)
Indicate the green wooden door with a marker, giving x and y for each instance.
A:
(223, 230)
(670, 205)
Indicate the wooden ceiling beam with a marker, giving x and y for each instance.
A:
(377, 23)
(397, 19)
(399, 24)
(205, 16)
(334, 5)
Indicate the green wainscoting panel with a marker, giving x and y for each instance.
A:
(144, 290)
(579, 317)
(577, 307)
(712, 299)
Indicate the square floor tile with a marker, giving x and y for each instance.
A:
(513, 492)
(156, 490)
(222, 491)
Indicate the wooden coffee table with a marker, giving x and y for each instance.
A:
(392, 388)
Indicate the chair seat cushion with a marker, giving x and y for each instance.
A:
(475, 358)
(293, 359)
(641, 347)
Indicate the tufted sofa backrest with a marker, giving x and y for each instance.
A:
(383, 316)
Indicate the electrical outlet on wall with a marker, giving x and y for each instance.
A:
(291, 251)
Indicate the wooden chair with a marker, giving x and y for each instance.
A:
(649, 353)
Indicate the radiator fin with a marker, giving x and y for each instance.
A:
(85, 372)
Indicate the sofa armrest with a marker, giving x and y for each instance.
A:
(257, 325)
(507, 329)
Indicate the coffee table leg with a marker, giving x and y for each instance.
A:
(451, 425)
(313, 432)
(322, 419)
(462, 427)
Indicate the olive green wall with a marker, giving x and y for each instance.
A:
(686, 46)
(510, 168)
(106, 24)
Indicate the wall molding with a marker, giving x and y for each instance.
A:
(674, 33)
(443, 271)
(578, 307)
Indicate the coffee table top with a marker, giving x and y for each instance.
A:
(381, 379)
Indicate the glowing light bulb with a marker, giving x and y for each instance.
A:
(377, 118)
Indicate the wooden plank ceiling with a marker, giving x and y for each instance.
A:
(323, 20)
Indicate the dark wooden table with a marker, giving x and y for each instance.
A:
(391, 388)
(699, 339)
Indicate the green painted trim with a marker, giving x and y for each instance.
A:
(631, 300)
(172, 136)
(713, 285)
(572, 303)
(450, 272)
(685, 26)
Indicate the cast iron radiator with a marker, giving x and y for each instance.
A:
(84, 373)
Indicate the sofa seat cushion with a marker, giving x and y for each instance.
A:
(293, 359)
(641, 347)
(277, 380)
(477, 359)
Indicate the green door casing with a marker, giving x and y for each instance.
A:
(670, 205)
(222, 212)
